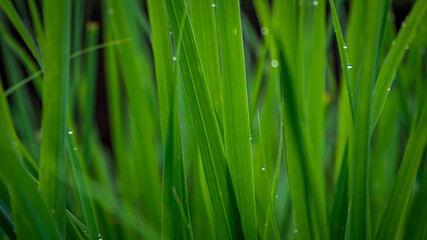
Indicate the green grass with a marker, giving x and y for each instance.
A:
(180, 119)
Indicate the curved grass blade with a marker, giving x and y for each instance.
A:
(236, 113)
(53, 157)
(205, 125)
(393, 214)
(394, 58)
(342, 47)
(13, 16)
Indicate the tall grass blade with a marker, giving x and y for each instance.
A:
(204, 22)
(237, 134)
(52, 157)
(161, 42)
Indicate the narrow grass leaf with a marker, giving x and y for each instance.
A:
(342, 47)
(204, 24)
(53, 157)
(161, 42)
(82, 190)
(236, 113)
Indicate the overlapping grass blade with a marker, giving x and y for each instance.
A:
(52, 157)
(31, 215)
(176, 223)
(237, 135)
(24, 118)
(401, 193)
(227, 219)
(394, 58)
(176, 217)
(204, 24)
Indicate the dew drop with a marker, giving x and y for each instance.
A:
(111, 11)
(70, 132)
(213, 5)
(250, 138)
(345, 46)
(403, 24)
(295, 230)
(264, 31)
(393, 42)
(348, 209)
(274, 63)
(174, 58)
(263, 168)
(75, 149)
(407, 47)
(388, 89)
(349, 66)
(315, 3)
(277, 196)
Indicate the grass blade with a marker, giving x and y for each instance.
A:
(204, 25)
(52, 156)
(161, 42)
(81, 189)
(342, 47)
(237, 135)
